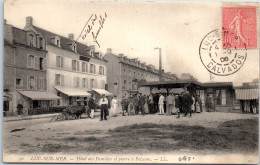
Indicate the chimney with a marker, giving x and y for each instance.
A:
(71, 36)
(29, 21)
(5, 21)
(92, 48)
(121, 55)
(109, 50)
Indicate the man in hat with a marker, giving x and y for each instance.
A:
(91, 106)
(124, 104)
(103, 103)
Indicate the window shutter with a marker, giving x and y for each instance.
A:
(39, 84)
(44, 63)
(35, 81)
(57, 61)
(28, 60)
(36, 62)
(28, 82)
(61, 62)
(62, 80)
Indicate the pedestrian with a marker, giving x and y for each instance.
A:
(124, 104)
(187, 101)
(136, 103)
(208, 103)
(169, 104)
(198, 104)
(151, 104)
(155, 102)
(103, 103)
(113, 110)
(141, 104)
(160, 104)
(177, 105)
(193, 104)
(19, 109)
(92, 106)
(131, 107)
(146, 109)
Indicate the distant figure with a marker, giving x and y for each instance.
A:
(169, 104)
(124, 104)
(177, 105)
(131, 107)
(187, 102)
(198, 104)
(19, 109)
(103, 103)
(151, 104)
(141, 103)
(136, 104)
(155, 102)
(193, 104)
(92, 106)
(160, 104)
(146, 108)
(208, 103)
(113, 110)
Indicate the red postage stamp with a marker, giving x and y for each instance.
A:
(239, 27)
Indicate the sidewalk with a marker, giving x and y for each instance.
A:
(17, 118)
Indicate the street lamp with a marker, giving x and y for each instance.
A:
(160, 62)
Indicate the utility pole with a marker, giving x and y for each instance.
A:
(160, 63)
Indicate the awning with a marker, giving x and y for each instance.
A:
(176, 90)
(36, 95)
(74, 92)
(102, 92)
(246, 94)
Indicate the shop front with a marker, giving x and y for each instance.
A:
(248, 99)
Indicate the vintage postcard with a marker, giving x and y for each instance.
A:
(130, 82)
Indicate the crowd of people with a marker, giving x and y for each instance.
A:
(141, 104)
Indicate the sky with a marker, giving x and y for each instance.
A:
(136, 28)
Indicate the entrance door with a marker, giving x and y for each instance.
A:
(35, 104)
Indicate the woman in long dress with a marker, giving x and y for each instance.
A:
(193, 105)
(113, 110)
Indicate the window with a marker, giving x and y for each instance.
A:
(19, 82)
(59, 62)
(221, 97)
(31, 83)
(84, 83)
(74, 47)
(83, 67)
(31, 61)
(92, 53)
(41, 43)
(75, 65)
(76, 82)
(41, 84)
(101, 70)
(92, 83)
(31, 39)
(59, 80)
(125, 84)
(102, 84)
(92, 68)
(57, 41)
(41, 63)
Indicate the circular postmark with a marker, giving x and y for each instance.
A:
(218, 60)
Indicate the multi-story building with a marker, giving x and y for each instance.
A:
(24, 70)
(126, 73)
(73, 68)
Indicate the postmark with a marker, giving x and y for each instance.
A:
(240, 27)
(216, 59)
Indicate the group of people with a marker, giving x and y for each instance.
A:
(147, 104)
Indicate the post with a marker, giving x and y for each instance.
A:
(160, 63)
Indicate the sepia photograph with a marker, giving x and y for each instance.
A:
(154, 82)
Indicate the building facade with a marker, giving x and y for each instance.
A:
(73, 68)
(24, 70)
(125, 74)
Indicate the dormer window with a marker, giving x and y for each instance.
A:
(41, 42)
(57, 41)
(74, 47)
(91, 53)
(31, 39)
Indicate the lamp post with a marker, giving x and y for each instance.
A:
(160, 63)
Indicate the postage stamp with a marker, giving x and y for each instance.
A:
(240, 27)
(219, 61)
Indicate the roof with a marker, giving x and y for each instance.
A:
(82, 49)
(36, 95)
(247, 94)
(102, 92)
(218, 84)
(74, 92)
(20, 36)
(171, 83)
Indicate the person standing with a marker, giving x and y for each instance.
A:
(169, 103)
(160, 104)
(141, 104)
(19, 109)
(193, 104)
(114, 107)
(136, 102)
(198, 104)
(177, 105)
(92, 106)
(146, 109)
(150, 104)
(124, 104)
(208, 103)
(186, 100)
(103, 103)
